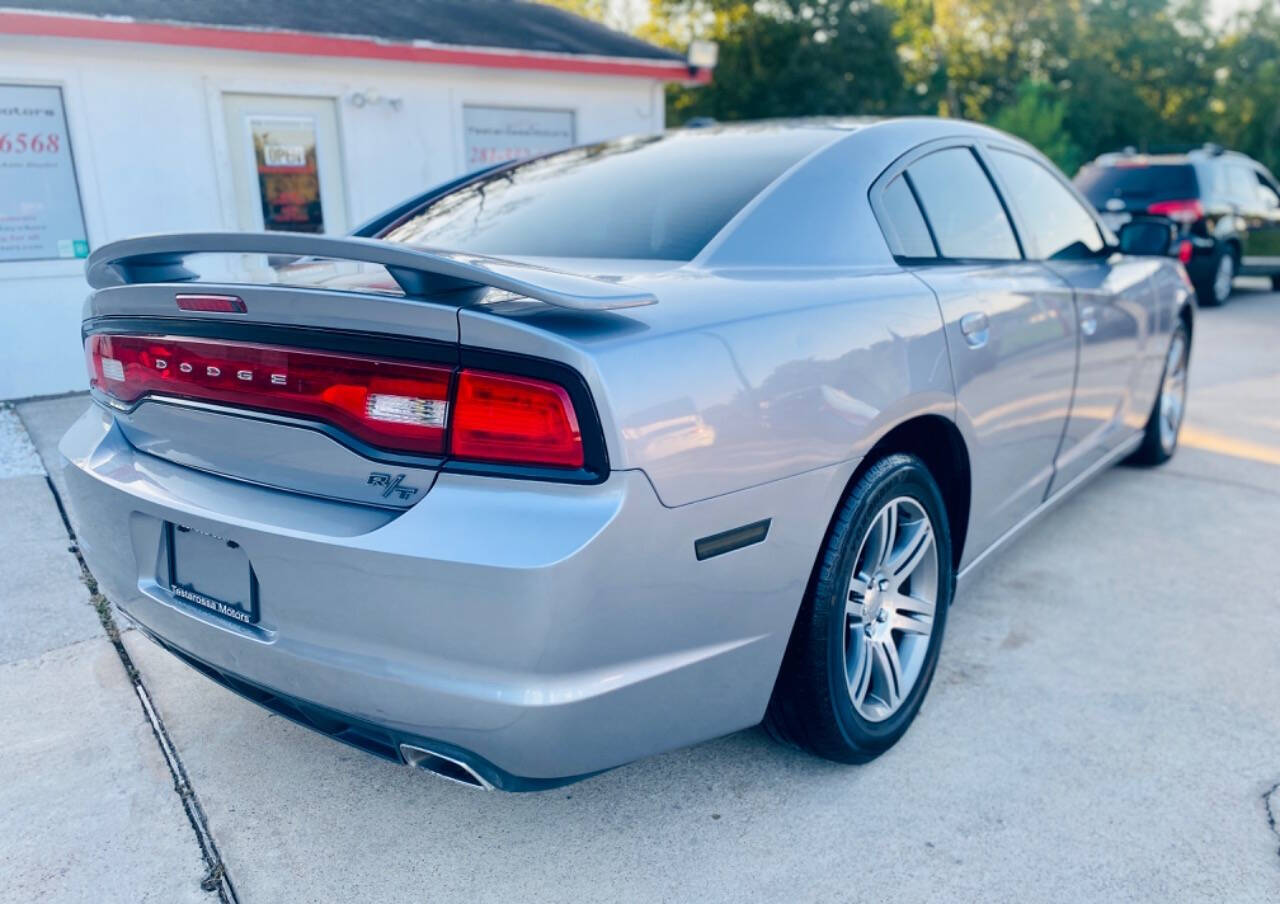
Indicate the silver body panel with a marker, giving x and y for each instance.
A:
(524, 622)
(554, 630)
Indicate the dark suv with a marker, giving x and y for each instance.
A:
(1227, 204)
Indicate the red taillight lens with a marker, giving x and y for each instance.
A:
(502, 418)
(1185, 250)
(394, 405)
(397, 405)
(217, 304)
(1181, 211)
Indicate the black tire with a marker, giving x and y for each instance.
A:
(1206, 293)
(1275, 282)
(1155, 450)
(811, 707)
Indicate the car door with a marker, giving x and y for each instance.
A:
(1242, 189)
(1009, 326)
(1112, 303)
(1262, 255)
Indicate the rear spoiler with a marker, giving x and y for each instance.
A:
(419, 272)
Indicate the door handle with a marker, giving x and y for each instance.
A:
(1088, 320)
(976, 329)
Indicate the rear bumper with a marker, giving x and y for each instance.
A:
(541, 631)
(1202, 266)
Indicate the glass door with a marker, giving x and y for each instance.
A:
(286, 163)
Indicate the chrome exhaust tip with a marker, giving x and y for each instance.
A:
(446, 767)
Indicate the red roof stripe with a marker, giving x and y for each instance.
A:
(299, 44)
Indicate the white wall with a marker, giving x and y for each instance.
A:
(150, 148)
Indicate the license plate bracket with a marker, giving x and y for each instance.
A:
(212, 573)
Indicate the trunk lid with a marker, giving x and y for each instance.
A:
(351, 299)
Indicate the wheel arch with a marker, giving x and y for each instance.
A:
(937, 442)
(1187, 315)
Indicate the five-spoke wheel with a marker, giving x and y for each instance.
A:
(1160, 440)
(893, 593)
(866, 640)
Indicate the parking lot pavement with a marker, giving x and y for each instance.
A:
(87, 807)
(1105, 725)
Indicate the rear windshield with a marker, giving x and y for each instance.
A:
(1137, 182)
(659, 197)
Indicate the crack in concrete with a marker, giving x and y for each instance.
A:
(215, 878)
(1271, 807)
(1218, 481)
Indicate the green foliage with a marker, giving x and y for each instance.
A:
(1037, 116)
(1074, 77)
(1245, 107)
(785, 58)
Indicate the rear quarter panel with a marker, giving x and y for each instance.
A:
(780, 373)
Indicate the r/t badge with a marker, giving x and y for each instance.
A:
(391, 485)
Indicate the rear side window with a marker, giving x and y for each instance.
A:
(661, 197)
(1267, 192)
(1060, 226)
(904, 225)
(1138, 182)
(967, 217)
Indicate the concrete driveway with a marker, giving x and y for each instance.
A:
(1105, 726)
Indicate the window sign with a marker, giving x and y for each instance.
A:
(284, 150)
(497, 134)
(40, 213)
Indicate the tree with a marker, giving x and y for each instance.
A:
(1245, 101)
(784, 58)
(1075, 77)
(1037, 117)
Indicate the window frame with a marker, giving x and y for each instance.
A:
(899, 168)
(1109, 241)
(1267, 181)
(892, 233)
(70, 100)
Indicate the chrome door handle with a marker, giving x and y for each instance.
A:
(976, 329)
(1089, 320)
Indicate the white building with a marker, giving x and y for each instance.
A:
(123, 117)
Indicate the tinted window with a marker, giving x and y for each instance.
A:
(651, 197)
(904, 224)
(963, 209)
(1138, 182)
(1060, 226)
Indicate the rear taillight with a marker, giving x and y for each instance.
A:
(391, 405)
(514, 419)
(1181, 211)
(1185, 250)
(395, 405)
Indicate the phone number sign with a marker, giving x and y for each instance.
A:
(498, 134)
(40, 213)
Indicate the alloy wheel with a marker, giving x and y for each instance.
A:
(890, 608)
(1222, 279)
(1173, 391)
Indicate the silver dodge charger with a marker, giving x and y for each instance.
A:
(583, 458)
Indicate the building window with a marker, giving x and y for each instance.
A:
(40, 213)
(286, 164)
(498, 134)
(284, 151)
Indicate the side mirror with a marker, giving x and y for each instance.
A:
(1149, 236)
